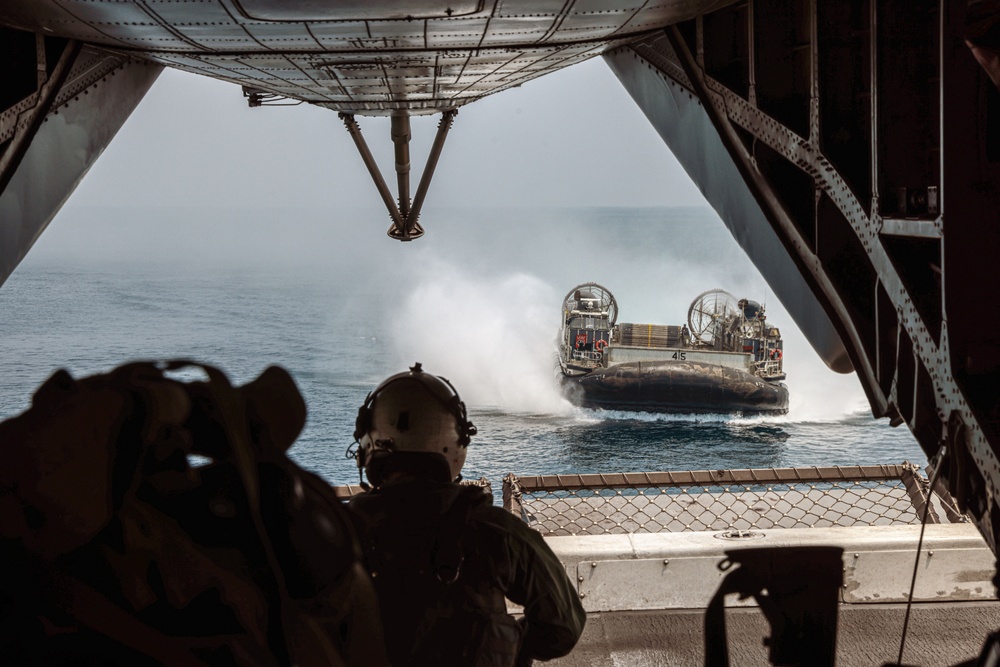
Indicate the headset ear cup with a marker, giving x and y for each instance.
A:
(469, 427)
(456, 406)
(466, 429)
(363, 422)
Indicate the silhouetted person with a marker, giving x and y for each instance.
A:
(441, 556)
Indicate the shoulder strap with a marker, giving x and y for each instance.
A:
(448, 546)
(448, 554)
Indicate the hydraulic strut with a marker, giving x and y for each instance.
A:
(403, 211)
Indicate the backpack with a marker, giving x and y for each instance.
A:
(146, 520)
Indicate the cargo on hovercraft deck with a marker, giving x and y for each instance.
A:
(726, 359)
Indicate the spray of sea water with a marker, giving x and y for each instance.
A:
(492, 338)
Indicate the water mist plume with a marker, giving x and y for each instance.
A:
(493, 339)
(817, 394)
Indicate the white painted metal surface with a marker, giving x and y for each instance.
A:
(943, 574)
(619, 354)
(661, 571)
(650, 583)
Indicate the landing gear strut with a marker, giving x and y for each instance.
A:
(405, 226)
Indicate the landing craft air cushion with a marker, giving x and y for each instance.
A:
(727, 359)
(850, 147)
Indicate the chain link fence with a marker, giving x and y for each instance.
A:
(720, 500)
(725, 500)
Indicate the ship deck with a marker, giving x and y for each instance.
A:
(939, 635)
(646, 595)
(649, 551)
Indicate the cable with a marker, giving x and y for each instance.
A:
(258, 98)
(920, 544)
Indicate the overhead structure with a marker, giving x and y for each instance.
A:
(374, 58)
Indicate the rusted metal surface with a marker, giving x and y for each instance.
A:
(918, 489)
(711, 477)
(880, 577)
(512, 494)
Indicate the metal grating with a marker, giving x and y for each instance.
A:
(722, 500)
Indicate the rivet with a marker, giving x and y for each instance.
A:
(581, 577)
(593, 565)
(666, 561)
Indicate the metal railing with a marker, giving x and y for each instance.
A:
(584, 355)
(769, 368)
(721, 500)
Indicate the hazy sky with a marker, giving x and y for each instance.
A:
(572, 138)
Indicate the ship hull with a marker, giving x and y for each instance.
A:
(676, 386)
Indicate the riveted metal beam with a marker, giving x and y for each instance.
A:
(716, 107)
(33, 112)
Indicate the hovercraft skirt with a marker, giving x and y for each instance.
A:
(676, 386)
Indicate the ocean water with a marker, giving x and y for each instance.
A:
(478, 301)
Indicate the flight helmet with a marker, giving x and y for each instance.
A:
(415, 412)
